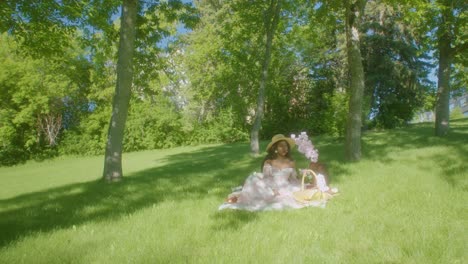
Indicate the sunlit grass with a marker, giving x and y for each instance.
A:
(405, 202)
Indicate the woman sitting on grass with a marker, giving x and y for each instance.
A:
(273, 188)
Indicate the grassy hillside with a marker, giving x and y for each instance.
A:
(405, 202)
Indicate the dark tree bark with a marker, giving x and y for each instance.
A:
(354, 12)
(271, 23)
(446, 54)
(121, 100)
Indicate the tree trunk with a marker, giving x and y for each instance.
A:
(271, 22)
(354, 12)
(443, 84)
(121, 100)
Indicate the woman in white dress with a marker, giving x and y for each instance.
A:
(273, 188)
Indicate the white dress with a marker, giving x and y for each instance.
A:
(271, 190)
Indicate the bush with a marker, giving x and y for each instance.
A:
(222, 128)
(10, 155)
(456, 113)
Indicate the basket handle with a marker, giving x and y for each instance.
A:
(304, 174)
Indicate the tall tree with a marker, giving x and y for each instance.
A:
(322, 47)
(445, 38)
(395, 67)
(113, 156)
(449, 23)
(354, 13)
(271, 23)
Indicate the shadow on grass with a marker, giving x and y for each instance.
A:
(377, 146)
(195, 175)
(381, 146)
(191, 175)
(331, 153)
(232, 219)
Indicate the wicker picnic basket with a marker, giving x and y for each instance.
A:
(309, 195)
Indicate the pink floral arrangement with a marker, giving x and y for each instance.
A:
(305, 146)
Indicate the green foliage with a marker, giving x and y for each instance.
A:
(312, 107)
(11, 155)
(396, 74)
(221, 60)
(220, 128)
(200, 84)
(89, 137)
(38, 98)
(153, 125)
(456, 113)
(319, 101)
(158, 22)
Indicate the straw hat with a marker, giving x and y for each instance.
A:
(280, 137)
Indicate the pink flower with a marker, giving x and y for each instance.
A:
(305, 146)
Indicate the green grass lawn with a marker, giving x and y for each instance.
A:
(405, 202)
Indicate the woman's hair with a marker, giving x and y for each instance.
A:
(272, 155)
